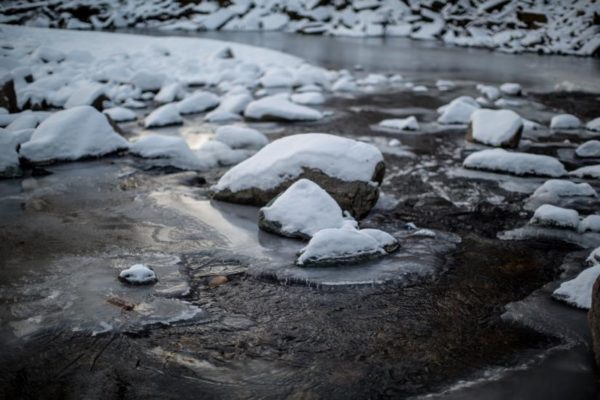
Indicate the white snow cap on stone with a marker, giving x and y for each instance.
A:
(591, 223)
(305, 208)
(138, 274)
(589, 149)
(9, 158)
(578, 291)
(565, 121)
(241, 137)
(279, 106)
(336, 156)
(458, 111)
(308, 98)
(515, 163)
(403, 124)
(72, 134)
(511, 89)
(198, 102)
(222, 153)
(163, 116)
(593, 125)
(171, 151)
(84, 95)
(495, 127)
(120, 114)
(591, 171)
(490, 92)
(564, 188)
(557, 217)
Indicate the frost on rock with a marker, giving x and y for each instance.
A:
(555, 217)
(565, 121)
(458, 111)
(163, 116)
(402, 124)
(241, 137)
(73, 134)
(500, 160)
(120, 114)
(340, 246)
(138, 274)
(170, 151)
(301, 211)
(279, 107)
(591, 223)
(589, 149)
(350, 171)
(198, 102)
(495, 128)
(578, 291)
(591, 171)
(593, 125)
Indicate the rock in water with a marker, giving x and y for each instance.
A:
(565, 121)
(138, 274)
(350, 171)
(301, 211)
(499, 160)
(594, 320)
(501, 128)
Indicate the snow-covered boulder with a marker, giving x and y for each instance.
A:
(591, 223)
(495, 128)
(350, 171)
(163, 116)
(9, 158)
(138, 274)
(170, 151)
(340, 246)
(301, 211)
(241, 137)
(565, 121)
(511, 89)
(279, 107)
(591, 171)
(578, 291)
(589, 149)
(402, 124)
(500, 160)
(555, 217)
(120, 114)
(198, 102)
(71, 135)
(458, 111)
(593, 125)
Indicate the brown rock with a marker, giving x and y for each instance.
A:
(594, 320)
(217, 280)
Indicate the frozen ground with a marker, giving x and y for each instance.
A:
(230, 313)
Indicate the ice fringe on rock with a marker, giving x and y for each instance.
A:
(73, 134)
(565, 121)
(403, 124)
(301, 211)
(198, 102)
(578, 291)
(171, 151)
(241, 137)
(279, 107)
(163, 116)
(138, 274)
(555, 217)
(500, 160)
(495, 127)
(589, 149)
(120, 114)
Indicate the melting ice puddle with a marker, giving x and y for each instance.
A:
(271, 256)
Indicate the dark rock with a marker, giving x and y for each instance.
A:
(217, 280)
(513, 143)
(8, 97)
(594, 320)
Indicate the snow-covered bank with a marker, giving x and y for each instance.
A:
(511, 26)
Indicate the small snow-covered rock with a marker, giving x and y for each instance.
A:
(48, 54)
(308, 98)
(163, 116)
(240, 137)
(578, 291)
(556, 217)
(73, 134)
(402, 124)
(90, 94)
(146, 80)
(490, 92)
(511, 89)
(564, 188)
(222, 153)
(593, 125)
(9, 158)
(565, 121)
(344, 84)
(594, 257)
(279, 107)
(198, 102)
(222, 116)
(169, 93)
(515, 163)
(591, 223)
(589, 149)
(277, 77)
(170, 151)
(385, 240)
(138, 274)
(120, 114)
(495, 128)
(458, 111)
(26, 120)
(301, 211)
(591, 171)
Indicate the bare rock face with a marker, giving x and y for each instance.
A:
(594, 320)
(8, 97)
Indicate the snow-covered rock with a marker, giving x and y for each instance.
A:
(9, 158)
(491, 93)
(591, 223)
(348, 170)
(402, 124)
(241, 137)
(147, 80)
(593, 125)
(26, 120)
(170, 151)
(556, 217)
(564, 188)
(344, 84)
(169, 93)
(511, 89)
(310, 98)
(120, 114)
(458, 111)
(565, 121)
(578, 291)
(301, 211)
(495, 128)
(89, 94)
(500, 160)
(591, 171)
(589, 149)
(73, 134)
(138, 274)
(222, 116)
(222, 153)
(198, 102)
(163, 116)
(279, 107)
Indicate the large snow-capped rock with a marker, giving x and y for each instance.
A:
(556, 217)
(280, 107)
(565, 121)
(170, 151)
(198, 102)
(163, 116)
(350, 171)
(222, 153)
(241, 137)
(72, 134)
(589, 149)
(301, 211)
(495, 128)
(578, 291)
(9, 158)
(500, 160)
(344, 245)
